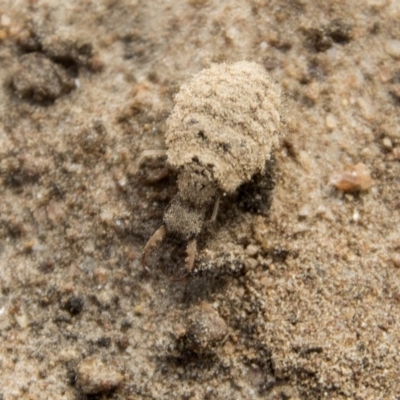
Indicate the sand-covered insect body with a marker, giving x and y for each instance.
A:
(222, 131)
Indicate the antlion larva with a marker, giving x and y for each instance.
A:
(222, 131)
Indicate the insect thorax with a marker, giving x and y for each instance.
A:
(196, 186)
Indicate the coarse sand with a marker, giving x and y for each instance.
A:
(302, 302)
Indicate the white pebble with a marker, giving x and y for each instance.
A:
(387, 143)
(252, 250)
(22, 320)
(331, 121)
(5, 20)
(304, 211)
(106, 216)
(392, 47)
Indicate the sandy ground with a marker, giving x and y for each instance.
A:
(303, 303)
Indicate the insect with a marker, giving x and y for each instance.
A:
(222, 131)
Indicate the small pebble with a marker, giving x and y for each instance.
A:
(107, 217)
(367, 108)
(356, 216)
(331, 121)
(67, 355)
(55, 211)
(39, 79)
(204, 327)
(396, 153)
(100, 276)
(22, 320)
(267, 282)
(300, 228)
(312, 91)
(354, 178)
(377, 3)
(264, 46)
(5, 20)
(74, 305)
(396, 260)
(387, 143)
(251, 263)
(93, 376)
(392, 47)
(304, 211)
(252, 250)
(138, 310)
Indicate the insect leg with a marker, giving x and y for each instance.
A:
(191, 250)
(216, 208)
(158, 236)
